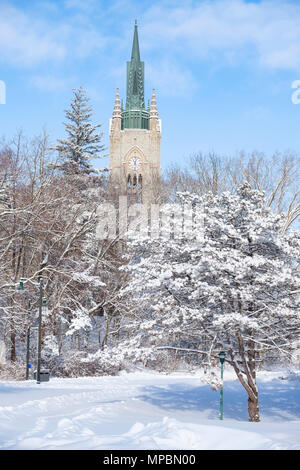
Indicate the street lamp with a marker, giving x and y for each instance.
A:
(221, 355)
(42, 303)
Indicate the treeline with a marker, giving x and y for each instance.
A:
(278, 176)
(47, 226)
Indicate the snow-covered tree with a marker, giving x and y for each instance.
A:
(4, 191)
(5, 178)
(229, 282)
(43, 212)
(83, 142)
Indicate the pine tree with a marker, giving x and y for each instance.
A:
(83, 142)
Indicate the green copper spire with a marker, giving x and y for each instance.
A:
(135, 115)
(135, 76)
(135, 54)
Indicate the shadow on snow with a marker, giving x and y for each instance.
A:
(279, 401)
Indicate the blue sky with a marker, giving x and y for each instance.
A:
(222, 69)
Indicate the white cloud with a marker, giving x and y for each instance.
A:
(268, 31)
(169, 78)
(27, 38)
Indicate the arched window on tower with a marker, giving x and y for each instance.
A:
(140, 182)
(140, 189)
(134, 183)
(129, 184)
(135, 187)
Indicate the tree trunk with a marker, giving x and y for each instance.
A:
(12, 346)
(248, 381)
(12, 341)
(253, 410)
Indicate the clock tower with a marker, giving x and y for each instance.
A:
(135, 134)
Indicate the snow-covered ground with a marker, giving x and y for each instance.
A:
(146, 410)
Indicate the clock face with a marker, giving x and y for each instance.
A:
(135, 163)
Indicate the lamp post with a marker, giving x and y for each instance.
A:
(27, 352)
(28, 345)
(38, 369)
(21, 288)
(42, 302)
(221, 355)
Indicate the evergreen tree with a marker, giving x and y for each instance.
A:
(83, 142)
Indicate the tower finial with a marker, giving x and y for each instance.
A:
(153, 107)
(117, 107)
